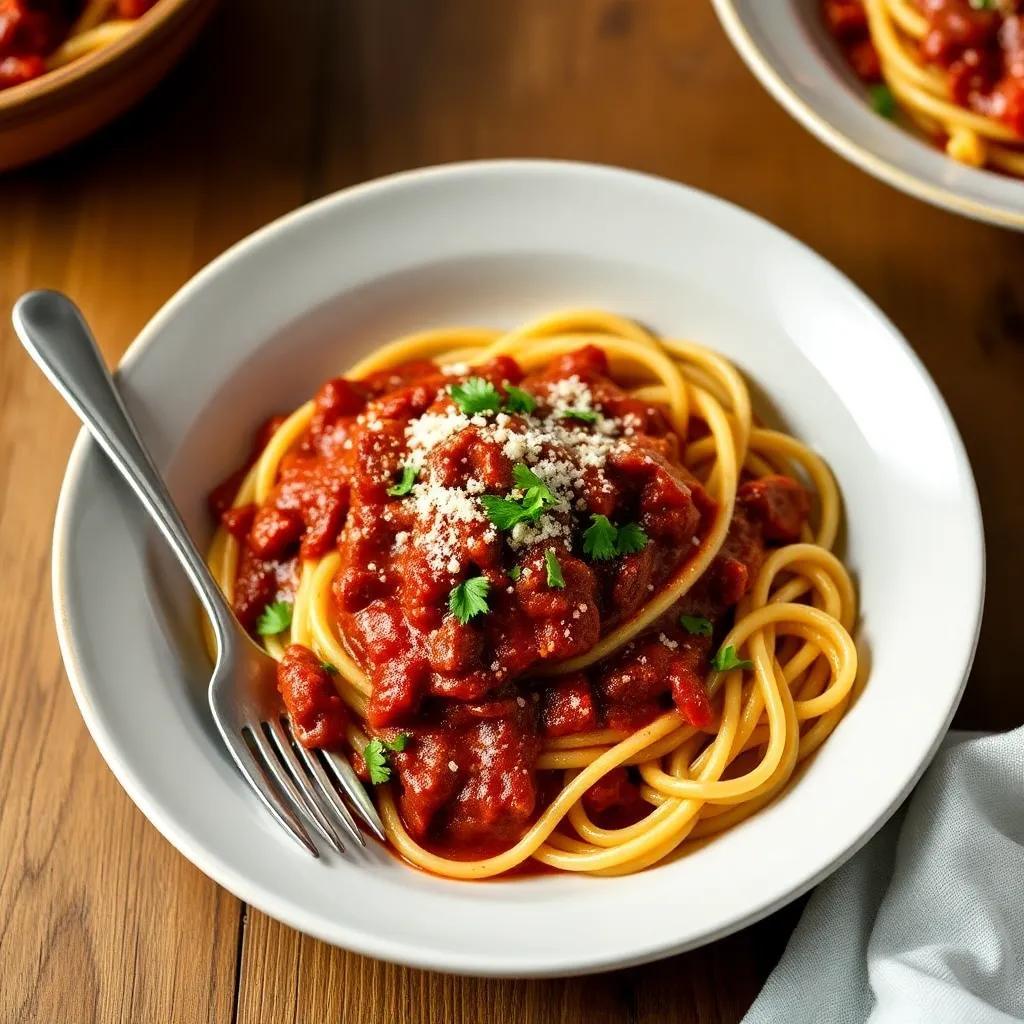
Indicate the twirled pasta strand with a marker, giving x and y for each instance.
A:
(794, 625)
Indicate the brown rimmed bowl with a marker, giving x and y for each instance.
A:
(68, 103)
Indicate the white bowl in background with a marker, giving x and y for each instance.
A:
(786, 45)
(497, 243)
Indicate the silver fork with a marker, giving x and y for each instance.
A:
(293, 783)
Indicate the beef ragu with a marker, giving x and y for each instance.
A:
(492, 525)
(938, 56)
(32, 32)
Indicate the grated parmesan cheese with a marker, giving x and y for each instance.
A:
(431, 429)
(559, 451)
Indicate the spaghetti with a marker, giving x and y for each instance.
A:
(956, 67)
(524, 688)
(37, 36)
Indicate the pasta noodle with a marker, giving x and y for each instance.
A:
(40, 37)
(794, 624)
(950, 71)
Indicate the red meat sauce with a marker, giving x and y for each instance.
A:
(470, 695)
(980, 47)
(30, 30)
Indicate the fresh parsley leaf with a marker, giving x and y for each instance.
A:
(377, 762)
(599, 539)
(375, 754)
(518, 400)
(476, 395)
(399, 743)
(328, 667)
(695, 625)
(555, 577)
(505, 512)
(984, 5)
(631, 538)
(515, 572)
(725, 660)
(276, 618)
(603, 540)
(404, 485)
(882, 100)
(586, 415)
(469, 598)
(526, 480)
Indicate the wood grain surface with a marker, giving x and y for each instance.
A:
(100, 919)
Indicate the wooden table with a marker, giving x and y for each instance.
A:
(100, 919)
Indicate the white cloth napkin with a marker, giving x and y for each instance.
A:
(926, 923)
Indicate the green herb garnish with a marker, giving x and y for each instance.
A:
(518, 400)
(328, 667)
(882, 100)
(506, 512)
(375, 754)
(399, 743)
(476, 395)
(404, 485)
(631, 539)
(726, 660)
(376, 759)
(276, 618)
(603, 540)
(586, 415)
(515, 572)
(695, 625)
(555, 577)
(599, 539)
(469, 598)
(526, 480)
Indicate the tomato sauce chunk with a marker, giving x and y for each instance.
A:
(978, 44)
(471, 778)
(489, 527)
(318, 714)
(779, 504)
(31, 30)
(615, 790)
(568, 706)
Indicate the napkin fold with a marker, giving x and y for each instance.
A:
(926, 923)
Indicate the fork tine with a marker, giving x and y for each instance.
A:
(298, 760)
(312, 802)
(350, 785)
(288, 775)
(323, 782)
(281, 812)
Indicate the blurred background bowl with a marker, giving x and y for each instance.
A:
(786, 45)
(66, 104)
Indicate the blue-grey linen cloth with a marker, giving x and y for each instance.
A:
(926, 923)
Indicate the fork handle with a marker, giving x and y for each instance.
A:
(57, 337)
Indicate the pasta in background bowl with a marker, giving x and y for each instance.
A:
(501, 244)
(67, 68)
(891, 60)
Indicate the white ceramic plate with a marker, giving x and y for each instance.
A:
(495, 243)
(786, 45)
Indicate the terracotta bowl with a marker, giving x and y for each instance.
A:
(68, 103)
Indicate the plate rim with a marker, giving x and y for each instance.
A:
(399, 950)
(839, 142)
